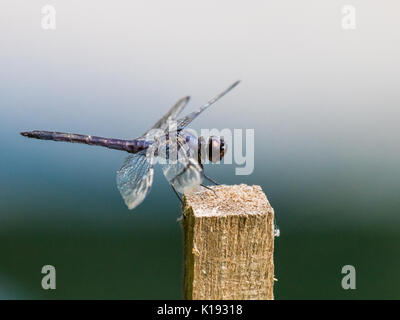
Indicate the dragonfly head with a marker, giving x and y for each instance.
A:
(213, 149)
(216, 148)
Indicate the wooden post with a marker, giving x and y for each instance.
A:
(228, 244)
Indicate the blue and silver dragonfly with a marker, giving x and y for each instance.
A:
(167, 139)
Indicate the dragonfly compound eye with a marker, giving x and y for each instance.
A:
(216, 149)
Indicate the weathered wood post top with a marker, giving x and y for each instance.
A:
(228, 244)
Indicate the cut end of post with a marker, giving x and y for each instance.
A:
(229, 243)
(225, 200)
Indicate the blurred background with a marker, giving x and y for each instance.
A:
(323, 101)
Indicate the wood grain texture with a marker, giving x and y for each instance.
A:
(228, 244)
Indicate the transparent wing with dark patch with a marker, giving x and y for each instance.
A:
(183, 122)
(181, 169)
(162, 124)
(135, 177)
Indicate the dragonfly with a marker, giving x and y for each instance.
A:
(182, 153)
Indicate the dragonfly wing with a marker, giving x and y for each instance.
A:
(162, 124)
(135, 177)
(181, 170)
(183, 122)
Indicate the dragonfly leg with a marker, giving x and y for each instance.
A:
(211, 180)
(207, 187)
(176, 193)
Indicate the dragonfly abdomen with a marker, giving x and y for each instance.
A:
(131, 146)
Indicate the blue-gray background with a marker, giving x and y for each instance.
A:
(323, 101)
